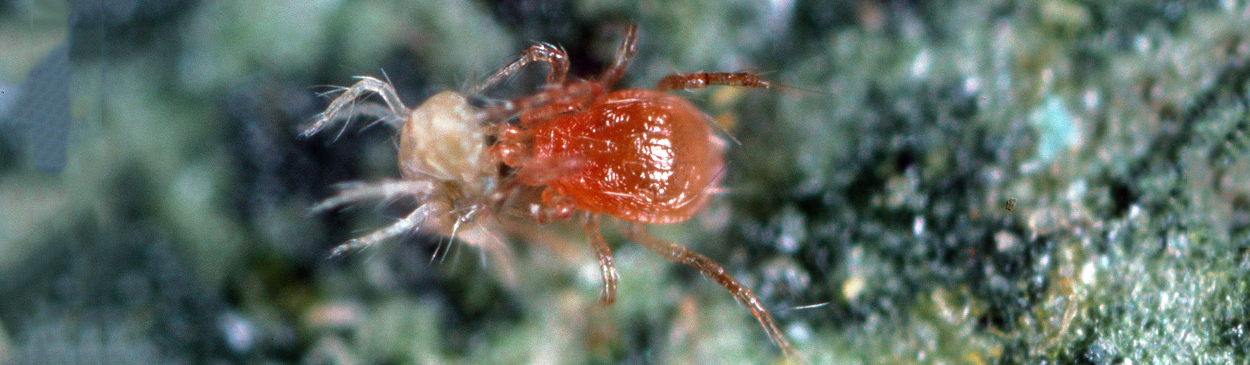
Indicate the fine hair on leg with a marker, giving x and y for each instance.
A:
(344, 106)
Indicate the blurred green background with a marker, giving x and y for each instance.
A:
(940, 182)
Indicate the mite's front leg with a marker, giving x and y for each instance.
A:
(387, 190)
(556, 58)
(346, 105)
(412, 222)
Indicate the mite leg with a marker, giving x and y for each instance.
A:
(699, 80)
(629, 46)
(410, 223)
(344, 106)
(566, 98)
(556, 58)
(714, 271)
(543, 104)
(480, 233)
(606, 268)
(386, 190)
(379, 112)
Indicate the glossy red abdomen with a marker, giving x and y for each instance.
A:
(639, 155)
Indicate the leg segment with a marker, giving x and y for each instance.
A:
(629, 46)
(410, 223)
(546, 103)
(378, 112)
(606, 268)
(699, 80)
(714, 271)
(387, 190)
(554, 57)
(344, 106)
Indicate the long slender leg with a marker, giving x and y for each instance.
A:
(556, 58)
(410, 223)
(379, 112)
(698, 80)
(545, 103)
(714, 271)
(629, 46)
(606, 268)
(344, 106)
(386, 189)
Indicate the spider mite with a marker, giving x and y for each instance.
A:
(573, 147)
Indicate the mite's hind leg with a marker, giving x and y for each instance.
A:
(556, 58)
(345, 105)
(711, 270)
(606, 268)
(699, 80)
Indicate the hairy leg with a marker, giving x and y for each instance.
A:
(714, 271)
(431, 215)
(556, 58)
(606, 268)
(410, 223)
(698, 80)
(378, 112)
(344, 106)
(386, 190)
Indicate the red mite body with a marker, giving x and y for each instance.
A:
(639, 155)
(643, 156)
